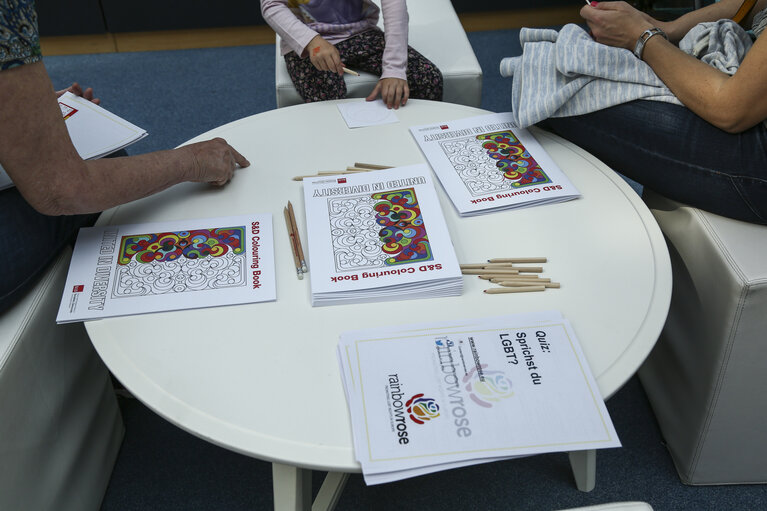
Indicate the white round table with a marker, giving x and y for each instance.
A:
(263, 379)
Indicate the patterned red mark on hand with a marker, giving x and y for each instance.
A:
(315, 50)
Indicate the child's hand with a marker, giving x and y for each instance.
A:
(394, 92)
(324, 55)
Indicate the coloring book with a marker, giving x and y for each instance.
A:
(118, 270)
(486, 164)
(377, 236)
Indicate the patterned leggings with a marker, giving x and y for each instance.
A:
(364, 52)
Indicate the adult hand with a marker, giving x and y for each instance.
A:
(214, 161)
(616, 23)
(325, 56)
(78, 91)
(394, 92)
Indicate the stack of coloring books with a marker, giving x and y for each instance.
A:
(377, 236)
(487, 164)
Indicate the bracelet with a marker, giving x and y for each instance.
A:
(646, 35)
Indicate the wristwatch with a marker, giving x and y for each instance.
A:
(646, 35)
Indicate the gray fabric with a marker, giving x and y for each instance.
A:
(721, 44)
(760, 22)
(567, 73)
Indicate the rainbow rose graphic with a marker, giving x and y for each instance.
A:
(422, 409)
(495, 387)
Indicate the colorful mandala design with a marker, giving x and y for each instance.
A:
(169, 246)
(495, 387)
(402, 233)
(512, 159)
(422, 409)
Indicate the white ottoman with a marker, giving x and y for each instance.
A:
(60, 426)
(434, 31)
(706, 377)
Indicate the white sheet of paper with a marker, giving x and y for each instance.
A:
(437, 396)
(95, 131)
(118, 270)
(359, 114)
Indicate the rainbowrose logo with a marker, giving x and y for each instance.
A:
(493, 387)
(422, 409)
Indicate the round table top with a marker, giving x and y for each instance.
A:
(263, 379)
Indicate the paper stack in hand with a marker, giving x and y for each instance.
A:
(377, 236)
(95, 131)
(487, 164)
(430, 397)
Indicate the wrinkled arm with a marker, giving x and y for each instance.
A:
(38, 155)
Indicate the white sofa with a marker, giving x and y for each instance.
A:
(434, 31)
(60, 426)
(706, 377)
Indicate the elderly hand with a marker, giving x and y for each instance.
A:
(214, 161)
(616, 23)
(394, 92)
(78, 91)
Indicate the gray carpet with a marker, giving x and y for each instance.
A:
(176, 95)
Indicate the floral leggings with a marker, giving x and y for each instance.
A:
(364, 52)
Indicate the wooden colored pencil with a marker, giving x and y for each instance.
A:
(334, 172)
(528, 269)
(291, 235)
(517, 260)
(518, 278)
(371, 166)
(524, 289)
(491, 276)
(299, 246)
(486, 265)
(483, 271)
(516, 283)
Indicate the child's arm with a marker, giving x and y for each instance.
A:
(393, 86)
(292, 30)
(395, 19)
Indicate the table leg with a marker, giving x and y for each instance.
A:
(584, 465)
(330, 492)
(292, 488)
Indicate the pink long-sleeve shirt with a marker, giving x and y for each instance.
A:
(298, 21)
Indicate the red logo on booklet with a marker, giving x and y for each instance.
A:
(67, 111)
(341, 179)
(78, 289)
(443, 127)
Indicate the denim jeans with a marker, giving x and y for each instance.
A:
(672, 151)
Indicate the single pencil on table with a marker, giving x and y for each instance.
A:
(299, 246)
(292, 239)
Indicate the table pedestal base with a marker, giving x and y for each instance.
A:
(293, 489)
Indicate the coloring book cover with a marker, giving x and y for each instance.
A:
(376, 229)
(486, 163)
(133, 269)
